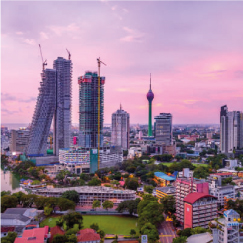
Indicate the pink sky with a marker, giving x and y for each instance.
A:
(193, 50)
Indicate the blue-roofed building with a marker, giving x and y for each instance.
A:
(162, 179)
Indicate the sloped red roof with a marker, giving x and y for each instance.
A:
(87, 235)
(56, 230)
(193, 197)
(7, 229)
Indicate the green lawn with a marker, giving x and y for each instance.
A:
(205, 165)
(120, 225)
(170, 163)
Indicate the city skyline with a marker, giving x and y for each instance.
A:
(192, 49)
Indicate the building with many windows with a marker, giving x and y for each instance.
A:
(19, 140)
(120, 129)
(88, 109)
(163, 129)
(87, 194)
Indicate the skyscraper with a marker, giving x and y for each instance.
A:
(120, 129)
(150, 97)
(43, 114)
(62, 116)
(53, 103)
(231, 130)
(88, 109)
(163, 129)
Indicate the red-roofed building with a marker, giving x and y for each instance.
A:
(87, 236)
(199, 209)
(5, 230)
(37, 235)
(56, 230)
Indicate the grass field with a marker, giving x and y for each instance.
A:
(205, 165)
(170, 163)
(120, 225)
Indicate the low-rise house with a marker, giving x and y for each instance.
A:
(200, 238)
(5, 230)
(54, 231)
(88, 236)
(37, 235)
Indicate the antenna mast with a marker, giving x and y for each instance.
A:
(69, 54)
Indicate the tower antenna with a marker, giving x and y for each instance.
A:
(99, 62)
(44, 63)
(150, 81)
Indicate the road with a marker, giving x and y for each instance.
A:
(166, 232)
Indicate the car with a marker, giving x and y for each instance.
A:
(92, 210)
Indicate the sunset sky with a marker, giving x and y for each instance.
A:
(194, 51)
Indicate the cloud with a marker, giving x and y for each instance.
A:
(44, 36)
(7, 97)
(133, 35)
(60, 30)
(189, 102)
(113, 8)
(19, 33)
(8, 112)
(125, 10)
(29, 41)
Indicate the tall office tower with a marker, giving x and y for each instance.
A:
(163, 129)
(120, 129)
(62, 116)
(88, 109)
(150, 97)
(19, 140)
(231, 130)
(43, 114)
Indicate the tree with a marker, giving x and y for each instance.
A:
(148, 189)
(94, 182)
(129, 205)
(28, 200)
(8, 202)
(73, 218)
(198, 230)
(151, 231)
(180, 239)
(48, 211)
(18, 195)
(168, 203)
(131, 183)
(59, 238)
(101, 233)
(65, 204)
(133, 232)
(96, 204)
(94, 226)
(71, 195)
(107, 204)
(3, 193)
(72, 231)
(201, 172)
(10, 238)
(186, 232)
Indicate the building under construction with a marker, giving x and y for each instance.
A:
(88, 109)
(53, 103)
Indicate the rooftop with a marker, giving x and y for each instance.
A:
(7, 229)
(56, 230)
(87, 235)
(200, 238)
(222, 174)
(168, 189)
(193, 197)
(88, 189)
(164, 176)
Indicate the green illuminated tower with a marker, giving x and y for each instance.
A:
(150, 97)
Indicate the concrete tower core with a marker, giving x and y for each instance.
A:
(150, 97)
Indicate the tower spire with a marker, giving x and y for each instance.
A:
(120, 106)
(150, 81)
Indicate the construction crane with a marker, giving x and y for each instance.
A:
(69, 54)
(99, 62)
(44, 63)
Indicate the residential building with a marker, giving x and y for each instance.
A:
(87, 194)
(62, 115)
(88, 109)
(163, 129)
(150, 97)
(53, 104)
(227, 229)
(120, 129)
(87, 236)
(38, 235)
(186, 172)
(184, 186)
(19, 140)
(231, 130)
(165, 191)
(199, 209)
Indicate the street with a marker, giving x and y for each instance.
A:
(166, 232)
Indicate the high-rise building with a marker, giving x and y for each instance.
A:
(163, 129)
(88, 110)
(62, 116)
(150, 97)
(120, 129)
(19, 140)
(43, 114)
(231, 130)
(53, 104)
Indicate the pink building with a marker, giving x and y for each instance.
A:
(74, 140)
(199, 210)
(185, 186)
